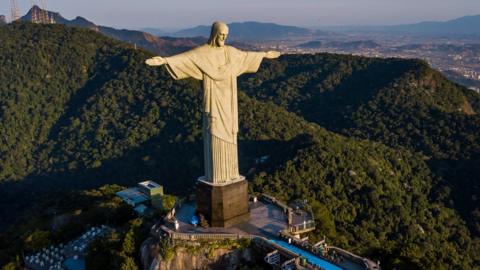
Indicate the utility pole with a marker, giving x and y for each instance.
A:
(15, 12)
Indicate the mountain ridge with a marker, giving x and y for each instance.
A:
(252, 30)
(159, 45)
(467, 25)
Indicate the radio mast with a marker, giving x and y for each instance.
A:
(34, 13)
(40, 13)
(15, 12)
(45, 18)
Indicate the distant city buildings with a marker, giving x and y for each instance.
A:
(460, 56)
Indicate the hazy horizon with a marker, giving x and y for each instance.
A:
(307, 13)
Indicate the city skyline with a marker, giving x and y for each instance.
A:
(308, 13)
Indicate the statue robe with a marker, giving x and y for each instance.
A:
(218, 68)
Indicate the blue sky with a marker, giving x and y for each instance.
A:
(187, 13)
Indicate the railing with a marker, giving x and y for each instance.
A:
(272, 258)
(206, 236)
(219, 236)
(309, 225)
(273, 200)
(368, 264)
(302, 226)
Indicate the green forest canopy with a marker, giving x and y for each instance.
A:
(364, 140)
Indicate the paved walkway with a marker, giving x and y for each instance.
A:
(265, 220)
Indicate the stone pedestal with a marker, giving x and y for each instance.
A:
(223, 205)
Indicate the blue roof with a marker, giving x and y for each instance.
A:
(315, 260)
(132, 196)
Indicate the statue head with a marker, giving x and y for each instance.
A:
(218, 35)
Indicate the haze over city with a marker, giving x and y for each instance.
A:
(187, 13)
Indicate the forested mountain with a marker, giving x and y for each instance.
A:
(401, 103)
(160, 45)
(79, 110)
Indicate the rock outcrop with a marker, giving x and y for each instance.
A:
(195, 256)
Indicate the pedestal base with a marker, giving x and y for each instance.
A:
(223, 205)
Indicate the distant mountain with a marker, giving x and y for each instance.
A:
(468, 25)
(155, 31)
(254, 31)
(159, 45)
(77, 22)
(3, 19)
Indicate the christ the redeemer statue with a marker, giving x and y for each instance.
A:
(218, 66)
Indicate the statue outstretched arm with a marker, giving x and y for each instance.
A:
(179, 66)
(249, 61)
(156, 61)
(272, 54)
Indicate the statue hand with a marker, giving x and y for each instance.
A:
(156, 61)
(272, 54)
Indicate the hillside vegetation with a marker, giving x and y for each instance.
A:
(79, 110)
(400, 103)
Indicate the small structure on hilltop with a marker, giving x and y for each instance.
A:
(154, 192)
(132, 196)
(146, 192)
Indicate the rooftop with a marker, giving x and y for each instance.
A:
(149, 184)
(132, 196)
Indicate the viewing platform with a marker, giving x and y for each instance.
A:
(275, 229)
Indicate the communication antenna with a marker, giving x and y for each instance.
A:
(48, 18)
(15, 15)
(44, 15)
(35, 15)
(43, 12)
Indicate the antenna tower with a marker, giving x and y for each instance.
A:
(15, 15)
(44, 17)
(34, 14)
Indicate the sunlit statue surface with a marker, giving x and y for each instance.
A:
(218, 66)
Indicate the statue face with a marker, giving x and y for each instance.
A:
(221, 37)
